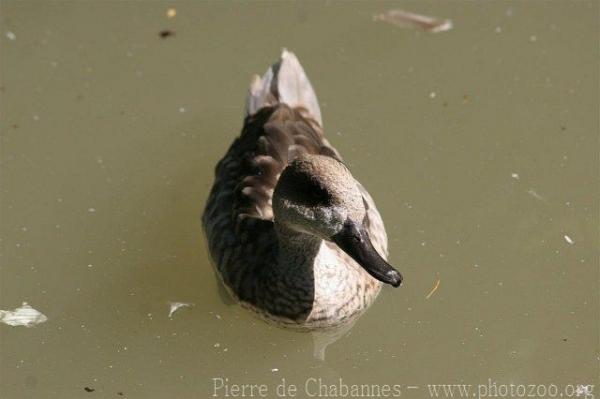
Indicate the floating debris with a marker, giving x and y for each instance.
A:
(535, 194)
(171, 13)
(569, 239)
(515, 176)
(406, 19)
(23, 316)
(165, 33)
(88, 389)
(435, 287)
(11, 35)
(175, 306)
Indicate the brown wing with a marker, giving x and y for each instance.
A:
(279, 134)
(238, 218)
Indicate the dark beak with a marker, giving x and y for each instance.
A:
(354, 240)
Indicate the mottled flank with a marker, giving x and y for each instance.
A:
(285, 274)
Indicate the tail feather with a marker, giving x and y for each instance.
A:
(284, 82)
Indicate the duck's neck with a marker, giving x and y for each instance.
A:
(297, 251)
(290, 284)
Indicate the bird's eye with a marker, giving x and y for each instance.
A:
(306, 189)
(316, 195)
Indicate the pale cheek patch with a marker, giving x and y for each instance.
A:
(331, 219)
(322, 221)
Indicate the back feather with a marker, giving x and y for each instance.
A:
(283, 120)
(284, 82)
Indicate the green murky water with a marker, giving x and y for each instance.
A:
(480, 146)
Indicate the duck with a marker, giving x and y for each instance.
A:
(293, 236)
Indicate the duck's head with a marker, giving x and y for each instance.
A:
(317, 195)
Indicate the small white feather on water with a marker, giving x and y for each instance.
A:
(569, 239)
(23, 316)
(175, 306)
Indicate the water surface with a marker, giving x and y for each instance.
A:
(480, 146)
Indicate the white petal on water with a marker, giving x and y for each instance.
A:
(569, 239)
(23, 316)
(175, 306)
